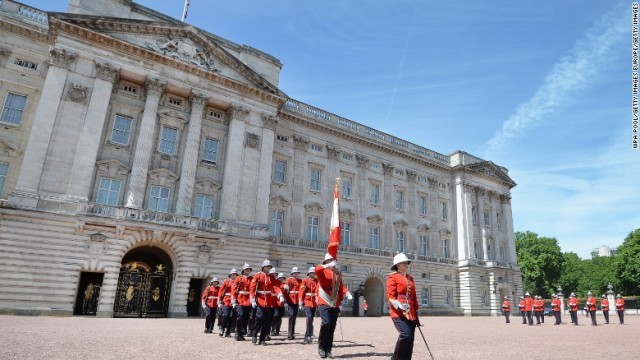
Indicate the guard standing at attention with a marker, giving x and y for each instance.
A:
(261, 293)
(506, 309)
(291, 288)
(591, 307)
(573, 308)
(604, 306)
(210, 304)
(403, 306)
(522, 306)
(555, 307)
(620, 308)
(240, 300)
(307, 301)
(528, 307)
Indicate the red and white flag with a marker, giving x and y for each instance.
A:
(335, 236)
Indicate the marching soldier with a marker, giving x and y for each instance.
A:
(555, 307)
(329, 296)
(403, 306)
(240, 300)
(262, 300)
(591, 307)
(573, 308)
(506, 308)
(210, 304)
(522, 306)
(224, 303)
(528, 307)
(604, 306)
(278, 310)
(538, 307)
(291, 287)
(307, 301)
(620, 308)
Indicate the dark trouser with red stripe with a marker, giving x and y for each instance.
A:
(556, 313)
(606, 316)
(404, 345)
(263, 322)
(310, 312)
(621, 316)
(210, 319)
(243, 319)
(293, 314)
(574, 317)
(329, 317)
(593, 317)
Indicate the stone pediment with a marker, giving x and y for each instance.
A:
(113, 168)
(375, 219)
(172, 43)
(488, 168)
(162, 177)
(315, 207)
(206, 186)
(279, 202)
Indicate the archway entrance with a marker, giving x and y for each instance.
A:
(144, 283)
(374, 293)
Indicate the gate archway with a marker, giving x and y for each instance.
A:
(374, 293)
(144, 283)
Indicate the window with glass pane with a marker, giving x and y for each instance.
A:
(486, 218)
(312, 228)
(374, 237)
(498, 221)
(277, 219)
(375, 193)
(474, 215)
(203, 208)
(400, 240)
(121, 130)
(399, 199)
(475, 249)
(346, 187)
(109, 191)
(445, 248)
(210, 154)
(169, 140)
(502, 253)
(159, 199)
(445, 212)
(423, 205)
(4, 170)
(280, 171)
(315, 180)
(489, 253)
(424, 299)
(483, 297)
(345, 229)
(13, 108)
(424, 245)
(447, 297)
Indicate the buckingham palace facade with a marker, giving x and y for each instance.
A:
(141, 156)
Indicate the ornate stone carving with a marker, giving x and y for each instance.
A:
(79, 227)
(119, 231)
(173, 115)
(279, 202)
(433, 182)
(300, 143)
(204, 254)
(155, 86)
(107, 72)
(333, 152)
(5, 51)
(375, 220)
(162, 177)
(400, 224)
(269, 122)
(191, 237)
(61, 58)
(183, 49)
(197, 99)
(387, 168)
(77, 92)
(158, 235)
(363, 161)
(96, 245)
(251, 140)
(424, 228)
(411, 175)
(236, 112)
(314, 207)
(347, 215)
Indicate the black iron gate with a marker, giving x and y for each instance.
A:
(141, 293)
(88, 293)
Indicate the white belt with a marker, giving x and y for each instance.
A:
(293, 292)
(309, 294)
(227, 294)
(261, 292)
(211, 297)
(243, 292)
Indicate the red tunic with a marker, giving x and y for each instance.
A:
(604, 305)
(330, 289)
(294, 287)
(591, 303)
(401, 287)
(210, 296)
(224, 294)
(307, 292)
(619, 304)
(528, 303)
(262, 289)
(538, 305)
(573, 304)
(240, 290)
(506, 306)
(555, 304)
(522, 305)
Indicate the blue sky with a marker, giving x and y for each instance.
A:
(544, 90)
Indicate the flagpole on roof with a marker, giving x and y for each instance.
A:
(185, 10)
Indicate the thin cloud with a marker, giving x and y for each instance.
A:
(570, 74)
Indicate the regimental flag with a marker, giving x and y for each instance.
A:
(335, 236)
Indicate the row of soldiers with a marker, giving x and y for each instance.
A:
(535, 306)
(254, 304)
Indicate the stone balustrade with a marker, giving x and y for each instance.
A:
(25, 12)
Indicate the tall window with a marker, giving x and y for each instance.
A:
(445, 248)
(280, 172)
(121, 130)
(503, 256)
(487, 220)
(346, 187)
(4, 170)
(374, 237)
(204, 206)
(474, 215)
(400, 240)
(13, 108)
(475, 249)
(315, 180)
(277, 219)
(109, 191)
(499, 220)
(345, 229)
(312, 228)
(375, 194)
(422, 205)
(424, 245)
(210, 154)
(489, 252)
(483, 297)
(169, 140)
(159, 200)
(424, 299)
(399, 199)
(447, 296)
(445, 211)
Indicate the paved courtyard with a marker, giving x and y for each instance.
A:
(360, 338)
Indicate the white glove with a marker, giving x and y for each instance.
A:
(204, 306)
(286, 287)
(220, 304)
(234, 303)
(396, 304)
(349, 296)
(253, 302)
(406, 306)
(333, 263)
(281, 298)
(300, 307)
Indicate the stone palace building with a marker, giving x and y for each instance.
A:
(141, 156)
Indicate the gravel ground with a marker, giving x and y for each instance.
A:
(360, 338)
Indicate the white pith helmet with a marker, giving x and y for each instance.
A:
(215, 279)
(589, 293)
(233, 271)
(327, 258)
(527, 294)
(266, 263)
(311, 270)
(246, 266)
(572, 295)
(401, 257)
(272, 271)
(619, 296)
(281, 275)
(295, 270)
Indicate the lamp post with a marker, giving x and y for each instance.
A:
(561, 297)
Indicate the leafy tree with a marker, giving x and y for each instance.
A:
(598, 273)
(540, 261)
(572, 273)
(627, 264)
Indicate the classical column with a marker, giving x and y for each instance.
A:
(233, 163)
(507, 219)
(264, 172)
(144, 145)
(388, 235)
(464, 223)
(362, 198)
(89, 141)
(190, 159)
(298, 179)
(483, 228)
(26, 191)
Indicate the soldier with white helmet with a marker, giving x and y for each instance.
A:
(591, 307)
(573, 308)
(506, 309)
(210, 304)
(307, 301)
(224, 303)
(278, 309)
(291, 289)
(403, 305)
(620, 308)
(262, 298)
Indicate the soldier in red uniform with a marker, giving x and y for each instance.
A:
(278, 309)
(210, 304)
(528, 307)
(329, 296)
(261, 293)
(291, 288)
(521, 306)
(224, 303)
(403, 306)
(240, 300)
(604, 306)
(538, 308)
(620, 308)
(591, 307)
(506, 309)
(555, 307)
(573, 308)
(307, 301)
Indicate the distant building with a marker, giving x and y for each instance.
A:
(605, 251)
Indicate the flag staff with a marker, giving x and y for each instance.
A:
(185, 10)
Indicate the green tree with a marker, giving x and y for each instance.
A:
(572, 273)
(598, 273)
(540, 261)
(627, 265)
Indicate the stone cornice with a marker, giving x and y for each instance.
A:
(89, 29)
(24, 31)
